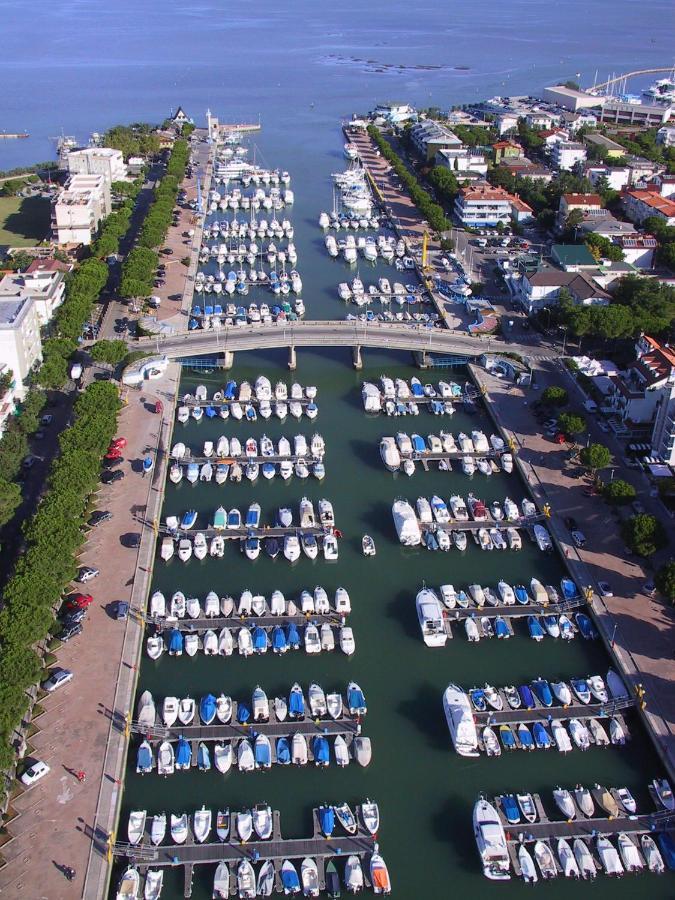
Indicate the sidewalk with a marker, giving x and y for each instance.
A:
(637, 630)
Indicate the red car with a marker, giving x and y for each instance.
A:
(114, 453)
(78, 601)
(559, 438)
(119, 442)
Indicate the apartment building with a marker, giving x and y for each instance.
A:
(98, 161)
(44, 287)
(78, 209)
(20, 342)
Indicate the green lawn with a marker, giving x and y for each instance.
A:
(23, 222)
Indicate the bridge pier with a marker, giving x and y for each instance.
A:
(421, 359)
(228, 359)
(292, 359)
(356, 357)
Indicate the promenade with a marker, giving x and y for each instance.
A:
(636, 629)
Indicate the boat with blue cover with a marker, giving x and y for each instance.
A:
(418, 443)
(541, 736)
(296, 703)
(521, 594)
(262, 751)
(525, 736)
(326, 820)
(283, 751)
(243, 713)
(234, 519)
(175, 642)
(259, 638)
(183, 754)
(279, 642)
(203, 757)
(569, 589)
(526, 696)
(188, 519)
(211, 412)
(566, 628)
(430, 541)
(535, 629)
(542, 690)
(477, 696)
(289, 878)
(356, 701)
(230, 390)
(292, 636)
(148, 464)
(507, 737)
(581, 689)
(192, 473)
(585, 626)
(320, 750)
(416, 387)
(207, 709)
(253, 516)
(510, 808)
(667, 845)
(144, 759)
(501, 628)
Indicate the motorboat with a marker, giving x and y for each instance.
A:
(346, 817)
(260, 705)
(136, 826)
(299, 749)
(545, 860)
(179, 828)
(379, 875)
(459, 716)
(166, 761)
(430, 616)
(353, 875)
(222, 755)
(527, 807)
(245, 756)
(561, 692)
(652, 855)
(158, 829)
(527, 868)
(289, 878)
(565, 803)
(317, 700)
(129, 884)
(491, 841)
(266, 879)
(406, 524)
(598, 734)
(471, 629)
(561, 737)
(201, 824)
(512, 696)
(262, 821)
(370, 816)
(625, 799)
(221, 880)
(581, 689)
(567, 859)
(664, 793)
(584, 800)
(296, 703)
(246, 883)
(510, 808)
(334, 705)
(617, 732)
(584, 859)
(363, 750)
(356, 701)
(609, 857)
(605, 800)
(341, 751)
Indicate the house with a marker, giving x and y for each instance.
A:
(571, 99)
(462, 159)
(522, 167)
(573, 121)
(584, 203)
(566, 154)
(7, 399)
(20, 342)
(506, 150)
(618, 177)
(135, 165)
(394, 113)
(551, 136)
(644, 395)
(541, 288)
(44, 286)
(79, 208)
(429, 137)
(642, 169)
(482, 204)
(605, 224)
(573, 257)
(506, 121)
(666, 136)
(98, 161)
(611, 149)
(179, 118)
(639, 204)
(540, 119)
(664, 184)
(638, 249)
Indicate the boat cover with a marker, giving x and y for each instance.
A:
(320, 749)
(279, 641)
(207, 708)
(535, 627)
(230, 389)
(569, 589)
(417, 389)
(541, 735)
(327, 820)
(144, 757)
(292, 636)
(283, 751)
(183, 753)
(501, 628)
(203, 757)
(175, 641)
(243, 713)
(262, 752)
(526, 696)
(259, 638)
(418, 443)
(355, 698)
(296, 703)
(521, 594)
(211, 413)
(289, 879)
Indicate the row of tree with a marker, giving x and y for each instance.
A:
(159, 215)
(13, 450)
(431, 211)
(116, 224)
(139, 139)
(53, 537)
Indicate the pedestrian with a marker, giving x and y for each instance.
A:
(81, 776)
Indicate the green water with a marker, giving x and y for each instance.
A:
(424, 789)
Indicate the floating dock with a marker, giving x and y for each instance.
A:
(277, 849)
(244, 460)
(345, 725)
(215, 623)
(240, 534)
(191, 402)
(544, 714)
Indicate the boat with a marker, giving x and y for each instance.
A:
(405, 521)
(652, 855)
(203, 757)
(597, 688)
(260, 704)
(283, 750)
(617, 732)
(542, 691)
(567, 859)
(207, 709)
(246, 884)
(561, 737)
(510, 808)
(527, 867)
(370, 816)
(630, 854)
(221, 880)
(334, 705)
(244, 822)
(341, 751)
(266, 878)
(299, 749)
(201, 824)
(317, 700)
(222, 754)
(245, 756)
(368, 545)
(569, 589)
(363, 751)
(166, 762)
(565, 803)
(580, 734)
(525, 737)
(542, 738)
(598, 734)
(561, 692)
(353, 875)
(346, 817)
(664, 793)
(379, 875)
(581, 689)
(527, 807)
(158, 829)
(262, 821)
(471, 629)
(538, 592)
(356, 701)
(609, 857)
(332, 879)
(430, 616)
(136, 826)
(490, 742)
(491, 841)
(146, 712)
(545, 860)
(179, 828)
(129, 884)
(535, 629)
(542, 538)
(459, 716)
(390, 454)
(183, 754)
(605, 800)
(584, 800)
(289, 878)
(615, 685)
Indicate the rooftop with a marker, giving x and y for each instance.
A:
(10, 310)
(654, 200)
(48, 265)
(573, 255)
(601, 140)
(582, 199)
(658, 362)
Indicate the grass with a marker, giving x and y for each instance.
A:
(24, 222)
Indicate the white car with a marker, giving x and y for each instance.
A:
(34, 773)
(605, 589)
(57, 680)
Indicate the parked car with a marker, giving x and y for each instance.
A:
(649, 588)
(101, 515)
(74, 618)
(34, 773)
(57, 679)
(115, 461)
(559, 438)
(605, 589)
(579, 538)
(78, 601)
(121, 609)
(70, 631)
(86, 574)
(47, 419)
(111, 477)
(570, 523)
(113, 453)
(131, 540)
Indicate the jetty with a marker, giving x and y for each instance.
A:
(544, 714)
(248, 620)
(222, 403)
(244, 460)
(240, 534)
(277, 849)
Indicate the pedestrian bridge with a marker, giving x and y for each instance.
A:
(329, 333)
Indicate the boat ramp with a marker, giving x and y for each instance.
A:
(277, 849)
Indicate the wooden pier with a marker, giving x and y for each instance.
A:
(544, 714)
(277, 849)
(240, 534)
(472, 525)
(247, 620)
(192, 402)
(243, 459)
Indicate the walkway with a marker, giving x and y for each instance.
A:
(637, 630)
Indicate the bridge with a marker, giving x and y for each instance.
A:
(626, 75)
(331, 333)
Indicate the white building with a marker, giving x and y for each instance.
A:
(45, 288)
(618, 177)
(20, 343)
(566, 154)
(395, 113)
(462, 159)
(666, 136)
(7, 400)
(429, 137)
(483, 204)
(98, 161)
(536, 290)
(78, 209)
(641, 204)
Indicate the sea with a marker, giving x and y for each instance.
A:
(299, 69)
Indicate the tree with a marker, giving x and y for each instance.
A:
(555, 396)
(112, 352)
(10, 498)
(595, 456)
(644, 534)
(665, 580)
(574, 219)
(619, 492)
(602, 248)
(571, 423)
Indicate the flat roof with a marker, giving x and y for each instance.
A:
(10, 310)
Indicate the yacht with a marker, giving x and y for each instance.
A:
(430, 615)
(491, 841)
(459, 716)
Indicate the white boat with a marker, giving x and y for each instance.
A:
(490, 742)
(561, 737)
(246, 884)
(262, 821)
(158, 829)
(664, 793)
(580, 734)
(146, 711)
(225, 642)
(565, 803)
(598, 734)
(471, 629)
(370, 816)
(584, 859)
(353, 875)
(491, 841)
(390, 454)
(179, 828)
(542, 537)
(567, 859)
(221, 881)
(201, 824)
(405, 521)
(347, 643)
(167, 548)
(169, 711)
(363, 750)
(309, 876)
(223, 756)
(299, 751)
(341, 751)
(527, 867)
(166, 763)
(317, 700)
(244, 822)
(334, 705)
(129, 884)
(245, 756)
(260, 704)
(544, 857)
(609, 857)
(652, 855)
(136, 826)
(312, 639)
(266, 878)
(459, 716)
(630, 854)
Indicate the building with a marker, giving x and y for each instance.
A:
(573, 257)
(45, 287)
(79, 208)
(506, 121)
(605, 224)
(20, 343)
(664, 184)
(618, 177)
(394, 113)
(666, 136)
(7, 399)
(522, 167)
(638, 249)
(584, 203)
(98, 161)
(620, 113)
(551, 136)
(135, 165)
(429, 137)
(639, 204)
(565, 155)
(571, 99)
(506, 150)
(610, 147)
(462, 160)
(481, 205)
(573, 121)
(540, 119)
(539, 289)
(179, 118)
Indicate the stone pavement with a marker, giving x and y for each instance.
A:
(637, 629)
(57, 816)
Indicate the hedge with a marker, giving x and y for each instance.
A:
(48, 565)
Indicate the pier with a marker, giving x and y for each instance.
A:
(277, 849)
(273, 728)
(244, 460)
(500, 524)
(240, 534)
(544, 714)
(192, 402)
(266, 621)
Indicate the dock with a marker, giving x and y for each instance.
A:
(345, 725)
(248, 620)
(192, 402)
(243, 459)
(472, 525)
(277, 849)
(240, 534)
(545, 714)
